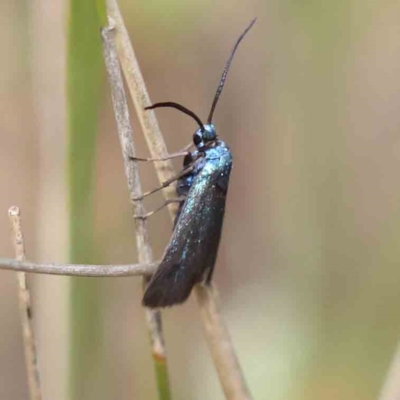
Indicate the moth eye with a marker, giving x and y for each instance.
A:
(197, 138)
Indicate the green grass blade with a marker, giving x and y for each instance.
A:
(84, 87)
(162, 378)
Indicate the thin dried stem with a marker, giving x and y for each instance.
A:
(216, 332)
(141, 99)
(25, 308)
(145, 255)
(391, 387)
(222, 351)
(87, 270)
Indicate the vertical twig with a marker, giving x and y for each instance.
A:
(135, 191)
(216, 332)
(141, 99)
(219, 341)
(25, 308)
(391, 387)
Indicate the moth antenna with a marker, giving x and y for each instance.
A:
(226, 69)
(178, 107)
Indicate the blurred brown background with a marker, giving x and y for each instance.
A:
(308, 267)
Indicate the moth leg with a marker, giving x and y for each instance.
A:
(182, 153)
(166, 183)
(169, 201)
(187, 147)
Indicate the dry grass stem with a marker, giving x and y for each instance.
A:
(216, 333)
(124, 128)
(141, 99)
(391, 387)
(25, 308)
(222, 351)
(87, 270)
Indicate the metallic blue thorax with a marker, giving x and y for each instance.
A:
(208, 159)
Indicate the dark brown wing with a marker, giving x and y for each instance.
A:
(192, 250)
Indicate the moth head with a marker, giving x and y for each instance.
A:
(204, 135)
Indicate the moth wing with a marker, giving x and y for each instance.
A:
(193, 247)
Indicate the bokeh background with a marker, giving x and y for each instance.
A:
(308, 269)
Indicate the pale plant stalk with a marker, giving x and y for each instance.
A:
(216, 333)
(25, 308)
(120, 105)
(88, 270)
(391, 387)
(141, 99)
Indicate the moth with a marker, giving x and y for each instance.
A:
(202, 187)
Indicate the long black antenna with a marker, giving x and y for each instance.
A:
(178, 107)
(226, 69)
